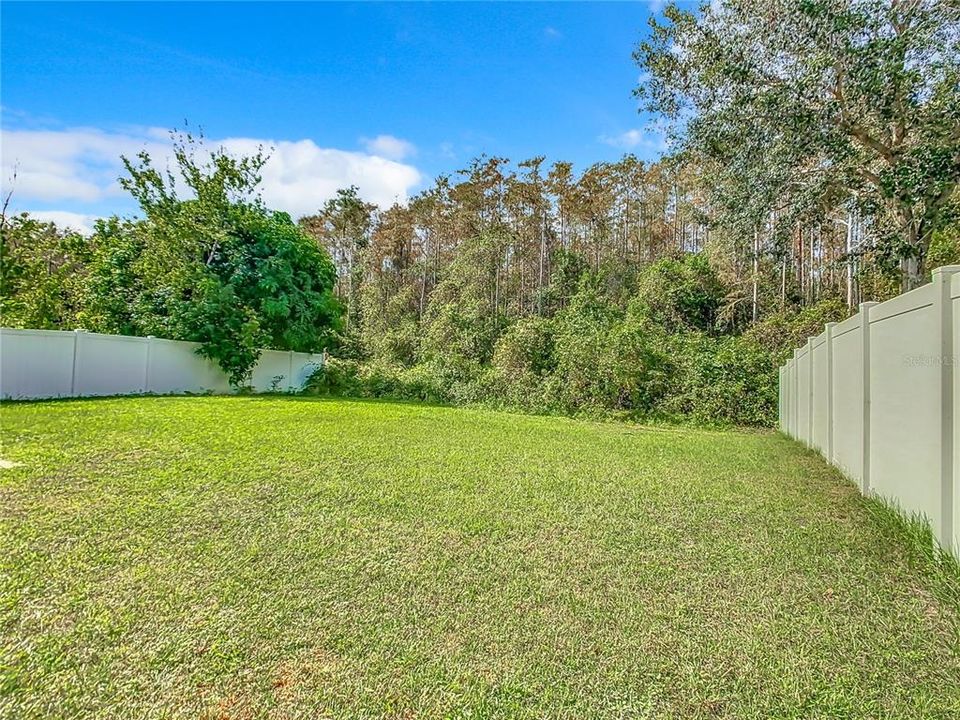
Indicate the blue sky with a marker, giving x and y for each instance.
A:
(385, 96)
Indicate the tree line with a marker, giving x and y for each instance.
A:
(814, 165)
(823, 130)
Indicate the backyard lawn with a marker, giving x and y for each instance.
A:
(244, 557)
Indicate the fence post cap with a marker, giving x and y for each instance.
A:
(946, 270)
(79, 329)
(829, 325)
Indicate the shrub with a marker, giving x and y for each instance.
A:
(658, 360)
(781, 332)
(419, 382)
(683, 294)
(335, 377)
(526, 347)
(720, 381)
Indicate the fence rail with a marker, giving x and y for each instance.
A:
(877, 396)
(53, 363)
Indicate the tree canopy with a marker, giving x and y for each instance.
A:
(207, 262)
(814, 165)
(792, 108)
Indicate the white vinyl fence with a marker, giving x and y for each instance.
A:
(878, 395)
(54, 363)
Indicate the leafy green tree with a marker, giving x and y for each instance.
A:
(786, 103)
(120, 297)
(582, 348)
(462, 319)
(343, 228)
(271, 287)
(567, 269)
(719, 381)
(389, 296)
(781, 332)
(217, 267)
(680, 294)
(42, 273)
(390, 329)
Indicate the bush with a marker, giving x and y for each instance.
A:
(526, 347)
(447, 382)
(419, 382)
(683, 294)
(691, 377)
(720, 381)
(334, 377)
(944, 248)
(781, 332)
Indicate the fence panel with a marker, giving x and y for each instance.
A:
(781, 397)
(272, 372)
(848, 404)
(175, 367)
(51, 363)
(905, 407)
(36, 363)
(786, 423)
(803, 394)
(820, 394)
(109, 364)
(891, 379)
(955, 365)
(304, 365)
(794, 395)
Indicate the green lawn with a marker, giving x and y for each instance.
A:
(279, 557)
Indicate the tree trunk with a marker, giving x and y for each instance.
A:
(756, 270)
(849, 260)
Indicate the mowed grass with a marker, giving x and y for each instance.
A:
(279, 557)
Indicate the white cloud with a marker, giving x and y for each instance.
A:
(649, 137)
(64, 219)
(389, 146)
(78, 164)
(81, 166)
(552, 33)
(300, 175)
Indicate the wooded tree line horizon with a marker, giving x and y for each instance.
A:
(813, 165)
(817, 157)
